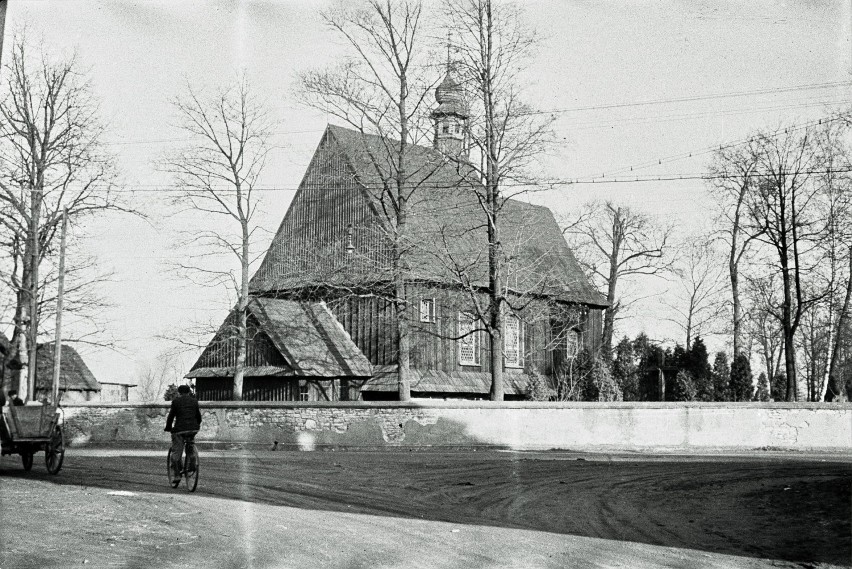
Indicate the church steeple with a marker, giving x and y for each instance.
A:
(450, 118)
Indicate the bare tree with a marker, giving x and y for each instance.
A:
(783, 208)
(732, 171)
(217, 174)
(52, 160)
(760, 326)
(835, 270)
(154, 376)
(619, 243)
(380, 89)
(493, 46)
(696, 296)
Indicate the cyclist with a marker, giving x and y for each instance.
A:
(183, 421)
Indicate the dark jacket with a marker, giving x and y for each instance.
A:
(184, 414)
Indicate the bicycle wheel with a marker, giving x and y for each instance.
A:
(191, 475)
(174, 483)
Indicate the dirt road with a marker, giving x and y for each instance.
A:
(428, 509)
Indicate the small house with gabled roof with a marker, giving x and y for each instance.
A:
(321, 324)
(76, 381)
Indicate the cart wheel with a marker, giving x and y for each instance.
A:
(54, 453)
(27, 459)
(174, 483)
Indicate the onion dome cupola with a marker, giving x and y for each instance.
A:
(450, 118)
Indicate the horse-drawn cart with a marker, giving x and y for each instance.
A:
(27, 429)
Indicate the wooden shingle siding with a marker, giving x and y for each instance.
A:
(222, 350)
(312, 239)
(371, 323)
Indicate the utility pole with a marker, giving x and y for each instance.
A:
(35, 214)
(57, 344)
(3, 5)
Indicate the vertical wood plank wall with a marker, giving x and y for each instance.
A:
(371, 323)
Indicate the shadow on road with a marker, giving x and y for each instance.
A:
(794, 511)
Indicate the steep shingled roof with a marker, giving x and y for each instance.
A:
(74, 374)
(446, 230)
(309, 338)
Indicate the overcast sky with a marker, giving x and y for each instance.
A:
(633, 84)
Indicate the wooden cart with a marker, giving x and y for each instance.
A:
(27, 429)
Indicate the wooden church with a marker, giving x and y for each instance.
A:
(321, 321)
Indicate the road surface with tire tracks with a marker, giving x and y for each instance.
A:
(263, 509)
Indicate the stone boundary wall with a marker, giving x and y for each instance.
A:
(513, 425)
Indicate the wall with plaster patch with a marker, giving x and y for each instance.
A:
(521, 425)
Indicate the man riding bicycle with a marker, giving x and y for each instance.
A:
(184, 421)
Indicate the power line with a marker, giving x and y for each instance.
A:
(713, 96)
(714, 148)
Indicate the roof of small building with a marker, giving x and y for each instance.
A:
(446, 227)
(123, 382)
(74, 374)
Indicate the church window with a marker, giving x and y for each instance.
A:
(446, 128)
(572, 343)
(304, 391)
(513, 342)
(468, 341)
(427, 310)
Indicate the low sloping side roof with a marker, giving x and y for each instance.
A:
(310, 338)
(74, 374)
(436, 381)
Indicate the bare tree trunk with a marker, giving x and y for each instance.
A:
(735, 300)
(495, 252)
(612, 283)
(242, 310)
(836, 389)
(787, 328)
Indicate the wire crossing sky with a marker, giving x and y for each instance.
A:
(642, 93)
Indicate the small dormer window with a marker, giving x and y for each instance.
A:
(446, 128)
(427, 310)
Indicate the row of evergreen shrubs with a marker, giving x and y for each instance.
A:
(589, 377)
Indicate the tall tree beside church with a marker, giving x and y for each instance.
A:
(617, 244)
(734, 174)
(493, 47)
(381, 89)
(51, 159)
(217, 173)
(783, 210)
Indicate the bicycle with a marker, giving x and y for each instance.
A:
(189, 464)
